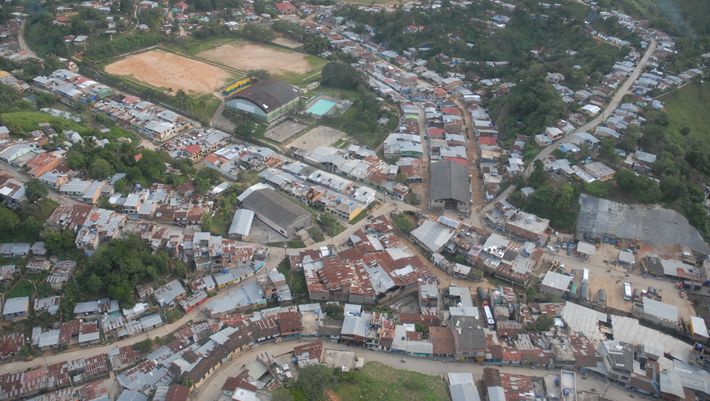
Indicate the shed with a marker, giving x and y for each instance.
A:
(586, 249)
(241, 224)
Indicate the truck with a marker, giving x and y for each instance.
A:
(601, 296)
(627, 291)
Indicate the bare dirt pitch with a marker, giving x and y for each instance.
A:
(165, 70)
(249, 56)
(318, 136)
(284, 130)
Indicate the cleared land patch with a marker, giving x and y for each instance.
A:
(318, 136)
(165, 70)
(250, 56)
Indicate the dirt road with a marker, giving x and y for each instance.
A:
(477, 197)
(24, 48)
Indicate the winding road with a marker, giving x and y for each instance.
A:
(588, 126)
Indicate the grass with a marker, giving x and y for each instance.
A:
(378, 382)
(24, 122)
(23, 288)
(688, 108)
(296, 280)
(174, 314)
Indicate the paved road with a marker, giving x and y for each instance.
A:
(589, 126)
(211, 389)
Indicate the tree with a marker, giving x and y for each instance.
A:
(8, 219)
(542, 324)
(257, 32)
(672, 188)
(181, 98)
(100, 169)
(341, 75)
(316, 44)
(334, 311)
(35, 190)
(258, 75)
(313, 380)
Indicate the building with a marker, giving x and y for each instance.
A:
(265, 100)
(462, 387)
(16, 308)
(276, 211)
(169, 293)
(432, 236)
(555, 283)
(450, 187)
(527, 226)
(241, 224)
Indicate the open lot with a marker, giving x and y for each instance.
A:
(611, 277)
(280, 62)
(318, 136)
(377, 381)
(284, 131)
(161, 69)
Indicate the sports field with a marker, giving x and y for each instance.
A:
(165, 70)
(280, 62)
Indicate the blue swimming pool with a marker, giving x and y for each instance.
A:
(321, 107)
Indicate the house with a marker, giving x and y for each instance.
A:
(169, 293)
(16, 308)
(555, 283)
(286, 8)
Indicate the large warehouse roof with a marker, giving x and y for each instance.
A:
(269, 95)
(449, 181)
(652, 224)
(274, 206)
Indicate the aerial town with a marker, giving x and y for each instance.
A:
(321, 200)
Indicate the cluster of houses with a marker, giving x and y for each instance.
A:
(10, 48)
(320, 189)
(142, 116)
(377, 266)
(357, 163)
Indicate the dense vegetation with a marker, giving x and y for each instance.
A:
(118, 266)
(551, 200)
(527, 108)
(342, 76)
(24, 224)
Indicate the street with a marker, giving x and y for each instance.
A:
(211, 388)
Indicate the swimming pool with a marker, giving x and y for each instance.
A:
(321, 107)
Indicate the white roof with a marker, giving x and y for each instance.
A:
(699, 327)
(556, 280)
(433, 235)
(586, 248)
(660, 310)
(241, 222)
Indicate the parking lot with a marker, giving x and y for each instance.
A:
(605, 273)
